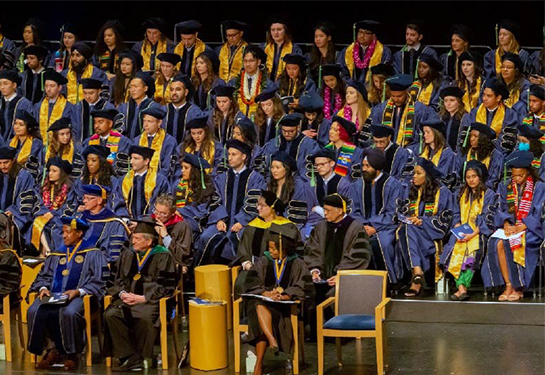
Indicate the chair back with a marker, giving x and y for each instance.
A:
(359, 291)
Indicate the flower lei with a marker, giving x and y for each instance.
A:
(245, 90)
(347, 114)
(366, 58)
(328, 113)
(59, 199)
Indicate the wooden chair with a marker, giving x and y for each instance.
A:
(5, 319)
(360, 301)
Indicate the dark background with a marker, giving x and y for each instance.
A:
(439, 16)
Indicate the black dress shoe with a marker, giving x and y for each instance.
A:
(134, 363)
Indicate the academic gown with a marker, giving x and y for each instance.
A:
(449, 163)
(266, 132)
(489, 62)
(521, 105)
(131, 116)
(519, 276)
(224, 131)
(495, 168)
(17, 197)
(218, 161)
(31, 86)
(11, 273)
(374, 204)
(397, 158)
(132, 329)
(97, 74)
(541, 172)
(176, 119)
(453, 130)
(66, 323)
(119, 146)
(7, 113)
(238, 197)
(534, 65)
(168, 148)
(277, 60)
(181, 244)
(206, 100)
(35, 160)
(321, 129)
(85, 127)
(68, 112)
(337, 184)
(153, 63)
(299, 208)
(449, 61)
(435, 99)
(361, 74)
(249, 110)
(404, 61)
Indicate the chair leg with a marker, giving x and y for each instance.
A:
(164, 342)
(302, 341)
(175, 337)
(296, 349)
(236, 344)
(99, 333)
(7, 330)
(20, 328)
(380, 351)
(339, 351)
(87, 314)
(320, 346)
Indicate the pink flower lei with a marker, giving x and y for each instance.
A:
(328, 113)
(366, 58)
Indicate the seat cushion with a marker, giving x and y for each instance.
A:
(351, 322)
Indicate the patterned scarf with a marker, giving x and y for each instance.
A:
(346, 152)
(405, 132)
(520, 210)
(529, 120)
(430, 208)
(182, 194)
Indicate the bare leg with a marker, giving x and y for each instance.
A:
(504, 270)
(416, 271)
(265, 322)
(260, 349)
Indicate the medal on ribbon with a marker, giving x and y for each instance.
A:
(279, 268)
(141, 264)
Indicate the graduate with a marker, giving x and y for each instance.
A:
(96, 171)
(425, 212)
(155, 42)
(507, 32)
(190, 45)
(31, 78)
(365, 52)
(92, 101)
(279, 44)
(428, 83)
(314, 124)
(460, 37)
(61, 58)
(511, 263)
(238, 189)
(164, 76)
(156, 138)
(323, 179)
(269, 111)
(54, 105)
(405, 60)
(80, 68)
(401, 112)
(106, 230)
(333, 89)
(281, 276)
(138, 189)
(397, 157)
(180, 110)
(225, 114)
(61, 144)
(146, 273)
(74, 270)
(230, 53)
(470, 78)
(291, 141)
(205, 79)
(108, 46)
(512, 76)
(32, 35)
(479, 145)
(322, 51)
(252, 80)
(293, 80)
(531, 139)
(356, 110)
(373, 200)
(535, 115)
(476, 205)
(378, 90)
(451, 112)
(348, 155)
(129, 63)
(26, 140)
(11, 101)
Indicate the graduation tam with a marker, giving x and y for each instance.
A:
(136, 58)
(157, 112)
(75, 223)
(39, 51)
(429, 168)
(96, 190)
(148, 81)
(269, 93)
(347, 125)
(7, 152)
(399, 82)
(238, 145)
(186, 80)
(27, 117)
(474, 57)
(10, 75)
(529, 132)
(247, 126)
(60, 163)
(195, 161)
(145, 152)
(451, 91)
(91, 83)
(213, 57)
(291, 120)
(256, 51)
(70, 28)
(359, 86)
(116, 25)
(478, 167)
(375, 157)
(188, 27)
(514, 58)
(60, 124)
(381, 131)
(172, 58)
(324, 153)
(155, 23)
(520, 159)
(510, 26)
(286, 234)
(384, 69)
(293, 58)
(368, 25)
(431, 61)
(101, 151)
(224, 91)
(435, 124)
(146, 225)
(462, 31)
(497, 86)
(311, 101)
(108, 114)
(286, 159)
(335, 200)
(331, 70)
(197, 123)
(483, 129)
(234, 25)
(84, 49)
(537, 91)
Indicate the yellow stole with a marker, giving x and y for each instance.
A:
(157, 145)
(73, 89)
(209, 159)
(199, 48)
(24, 153)
(375, 59)
(146, 52)
(469, 157)
(468, 212)
(435, 159)
(424, 94)
(514, 96)
(56, 113)
(68, 154)
(149, 185)
(498, 60)
(366, 115)
(497, 121)
(162, 94)
(269, 51)
(471, 102)
(230, 66)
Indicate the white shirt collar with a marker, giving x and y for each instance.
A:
(492, 110)
(326, 180)
(389, 145)
(254, 77)
(140, 174)
(177, 108)
(152, 135)
(38, 71)
(416, 47)
(376, 178)
(11, 97)
(239, 172)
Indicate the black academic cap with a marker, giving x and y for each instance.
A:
(288, 231)
(335, 200)
(197, 123)
(60, 124)
(368, 25)
(60, 163)
(256, 51)
(514, 58)
(293, 119)
(213, 57)
(157, 112)
(311, 101)
(511, 26)
(39, 51)
(91, 83)
(294, 58)
(7, 152)
(10, 75)
(381, 131)
(286, 159)
(348, 125)
(359, 86)
(186, 80)
(375, 157)
(155, 23)
(247, 126)
(267, 94)
(474, 57)
(146, 225)
(462, 31)
(384, 69)
(497, 86)
(188, 27)
(224, 91)
(136, 58)
(27, 117)
(96, 190)
(51, 75)
(324, 153)
(84, 49)
(101, 151)
(429, 167)
(148, 81)
(172, 58)
(431, 61)
(70, 28)
(241, 146)
(331, 70)
(75, 223)
(416, 25)
(195, 161)
(145, 152)
(399, 82)
(529, 132)
(277, 18)
(108, 114)
(520, 159)
(478, 167)
(451, 91)
(483, 129)
(234, 25)
(438, 125)
(537, 91)
(272, 200)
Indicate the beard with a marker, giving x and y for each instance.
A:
(78, 68)
(369, 176)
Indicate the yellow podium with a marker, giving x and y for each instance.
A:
(208, 336)
(213, 282)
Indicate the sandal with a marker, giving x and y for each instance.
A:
(413, 292)
(418, 280)
(503, 297)
(513, 297)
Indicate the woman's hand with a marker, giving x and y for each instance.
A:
(519, 228)
(415, 220)
(311, 133)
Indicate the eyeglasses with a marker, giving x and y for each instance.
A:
(161, 214)
(289, 131)
(231, 36)
(245, 61)
(319, 165)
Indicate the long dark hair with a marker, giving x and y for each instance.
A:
(64, 179)
(37, 34)
(316, 55)
(101, 47)
(287, 189)
(284, 82)
(217, 115)
(434, 76)
(339, 89)
(119, 90)
(199, 195)
(517, 83)
(536, 148)
(485, 147)
(429, 189)
(104, 174)
(479, 192)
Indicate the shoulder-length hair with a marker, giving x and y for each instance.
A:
(211, 77)
(287, 189)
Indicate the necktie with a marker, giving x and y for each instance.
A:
(136, 196)
(150, 141)
(250, 84)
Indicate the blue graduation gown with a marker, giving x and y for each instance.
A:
(176, 119)
(7, 115)
(299, 208)
(131, 116)
(265, 132)
(36, 156)
(542, 167)
(449, 163)
(206, 100)
(85, 128)
(360, 74)
(518, 276)
(405, 63)
(69, 112)
(336, 184)
(224, 131)
(219, 164)
(435, 99)
(97, 74)
(137, 47)
(31, 86)
(396, 159)
(17, 197)
(490, 62)
(276, 58)
(167, 150)
(495, 168)
(533, 65)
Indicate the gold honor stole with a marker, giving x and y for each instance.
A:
(209, 159)
(435, 159)
(472, 101)
(149, 185)
(162, 93)
(514, 96)
(469, 211)
(471, 155)
(230, 66)
(74, 90)
(156, 145)
(145, 51)
(67, 155)
(498, 60)
(24, 153)
(56, 113)
(420, 93)
(497, 120)
(199, 48)
(269, 51)
(375, 59)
